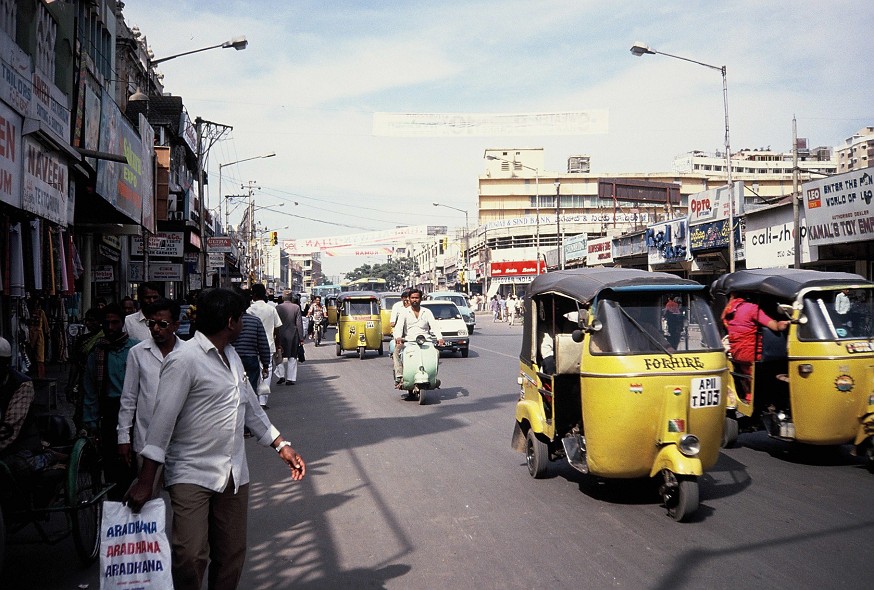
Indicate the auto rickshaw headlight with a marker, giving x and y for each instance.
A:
(689, 445)
(805, 369)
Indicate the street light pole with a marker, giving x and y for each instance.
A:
(639, 49)
(466, 244)
(558, 240)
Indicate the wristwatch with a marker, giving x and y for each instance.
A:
(282, 445)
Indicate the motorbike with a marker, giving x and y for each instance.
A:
(359, 327)
(813, 383)
(606, 384)
(420, 359)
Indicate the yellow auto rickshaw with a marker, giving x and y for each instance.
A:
(813, 383)
(359, 326)
(386, 300)
(331, 309)
(614, 387)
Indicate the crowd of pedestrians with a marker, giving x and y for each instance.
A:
(171, 408)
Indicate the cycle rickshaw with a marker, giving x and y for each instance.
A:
(75, 489)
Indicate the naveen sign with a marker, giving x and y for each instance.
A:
(516, 268)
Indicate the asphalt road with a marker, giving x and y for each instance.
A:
(399, 495)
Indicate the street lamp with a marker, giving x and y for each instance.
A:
(557, 225)
(227, 213)
(639, 49)
(238, 43)
(466, 244)
(536, 200)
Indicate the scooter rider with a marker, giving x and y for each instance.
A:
(396, 311)
(415, 321)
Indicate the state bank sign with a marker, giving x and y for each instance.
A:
(839, 208)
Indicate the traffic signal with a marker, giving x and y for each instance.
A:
(274, 238)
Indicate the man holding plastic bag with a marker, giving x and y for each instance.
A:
(196, 432)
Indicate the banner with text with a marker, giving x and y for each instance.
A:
(593, 121)
(306, 246)
(839, 208)
(600, 251)
(770, 241)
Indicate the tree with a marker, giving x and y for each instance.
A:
(395, 272)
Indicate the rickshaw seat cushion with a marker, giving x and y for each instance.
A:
(55, 429)
(567, 355)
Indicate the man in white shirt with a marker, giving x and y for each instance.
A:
(135, 323)
(143, 370)
(412, 322)
(196, 432)
(268, 315)
(396, 310)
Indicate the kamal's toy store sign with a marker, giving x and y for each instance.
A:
(839, 208)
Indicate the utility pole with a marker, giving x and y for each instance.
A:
(212, 132)
(251, 188)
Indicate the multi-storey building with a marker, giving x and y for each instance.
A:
(857, 151)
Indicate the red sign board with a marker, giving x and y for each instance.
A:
(512, 268)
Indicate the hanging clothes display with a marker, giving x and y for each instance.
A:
(16, 261)
(33, 254)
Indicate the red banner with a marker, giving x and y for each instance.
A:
(511, 268)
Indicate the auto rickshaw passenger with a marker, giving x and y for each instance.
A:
(742, 320)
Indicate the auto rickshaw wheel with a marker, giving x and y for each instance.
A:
(869, 456)
(729, 433)
(536, 455)
(361, 353)
(381, 350)
(84, 484)
(339, 350)
(680, 495)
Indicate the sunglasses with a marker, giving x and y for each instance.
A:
(163, 324)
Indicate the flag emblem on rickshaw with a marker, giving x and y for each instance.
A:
(678, 392)
(676, 425)
(844, 383)
(635, 388)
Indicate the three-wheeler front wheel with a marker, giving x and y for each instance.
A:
(84, 486)
(680, 495)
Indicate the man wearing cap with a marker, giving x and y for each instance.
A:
(20, 445)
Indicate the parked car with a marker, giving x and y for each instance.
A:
(451, 324)
(460, 300)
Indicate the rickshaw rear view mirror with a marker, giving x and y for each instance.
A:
(577, 335)
(786, 308)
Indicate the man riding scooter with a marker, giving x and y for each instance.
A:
(413, 322)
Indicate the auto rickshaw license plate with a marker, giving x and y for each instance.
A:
(705, 392)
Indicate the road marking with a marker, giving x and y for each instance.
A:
(511, 356)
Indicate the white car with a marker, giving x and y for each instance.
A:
(451, 324)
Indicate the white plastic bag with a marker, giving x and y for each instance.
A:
(263, 387)
(134, 550)
(279, 370)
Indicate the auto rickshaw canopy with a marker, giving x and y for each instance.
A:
(782, 283)
(584, 284)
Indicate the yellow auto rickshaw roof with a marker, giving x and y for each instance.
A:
(584, 284)
(782, 283)
(357, 295)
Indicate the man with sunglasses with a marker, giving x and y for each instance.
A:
(144, 362)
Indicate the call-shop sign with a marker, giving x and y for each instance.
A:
(839, 208)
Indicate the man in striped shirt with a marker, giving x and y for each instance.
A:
(254, 350)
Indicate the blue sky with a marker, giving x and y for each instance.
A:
(315, 72)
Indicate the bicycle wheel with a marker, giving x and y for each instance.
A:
(84, 484)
